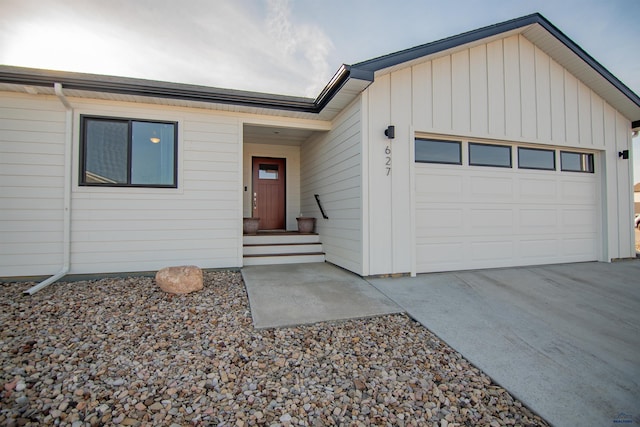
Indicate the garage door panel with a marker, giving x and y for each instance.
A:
(492, 250)
(474, 217)
(578, 191)
(496, 188)
(537, 249)
(491, 220)
(578, 219)
(532, 220)
(538, 189)
(579, 247)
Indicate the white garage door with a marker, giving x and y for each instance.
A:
(470, 217)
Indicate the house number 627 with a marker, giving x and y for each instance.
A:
(387, 159)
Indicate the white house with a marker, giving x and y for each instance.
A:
(503, 146)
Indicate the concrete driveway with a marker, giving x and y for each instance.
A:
(564, 339)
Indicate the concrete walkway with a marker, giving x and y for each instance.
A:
(294, 294)
(564, 339)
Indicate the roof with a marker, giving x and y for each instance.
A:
(345, 85)
(547, 37)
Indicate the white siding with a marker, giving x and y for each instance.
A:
(331, 166)
(505, 90)
(140, 229)
(116, 229)
(292, 176)
(32, 136)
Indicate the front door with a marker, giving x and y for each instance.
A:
(269, 192)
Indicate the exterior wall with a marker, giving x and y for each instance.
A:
(505, 90)
(117, 229)
(32, 137)
(292, 155)
(331, 166)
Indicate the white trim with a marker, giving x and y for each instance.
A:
(364, 143)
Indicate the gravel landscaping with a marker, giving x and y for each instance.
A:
(122, 352)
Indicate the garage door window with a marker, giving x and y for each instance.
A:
(489, 155)
(436, 151)
(576, 162)
(535, 158)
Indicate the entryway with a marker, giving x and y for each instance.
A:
(269, 187)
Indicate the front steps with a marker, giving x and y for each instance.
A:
(267, 248)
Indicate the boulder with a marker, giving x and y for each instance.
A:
(180, 280)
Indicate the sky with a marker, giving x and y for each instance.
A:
(290, 47)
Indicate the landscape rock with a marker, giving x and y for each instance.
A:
(180, 280)
(123, 352)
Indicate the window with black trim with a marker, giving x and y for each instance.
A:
(118, 152)
(536, 158)
(436, 151)
(576, 162)
(489, 155)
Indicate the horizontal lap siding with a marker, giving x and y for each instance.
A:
(331, 166)
(133, 229)
(32, 137)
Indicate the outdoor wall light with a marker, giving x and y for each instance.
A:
(390, 132)
(623, 154)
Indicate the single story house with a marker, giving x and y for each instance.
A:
(504, 146)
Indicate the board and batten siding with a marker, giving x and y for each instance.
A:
(292, 176)
(506, 90)
(331, 166)
(32, 138)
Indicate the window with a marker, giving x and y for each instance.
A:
(124, 152)
(489, 155)
(535, 158)
(576, 162)
(267, 171)
(434, 151)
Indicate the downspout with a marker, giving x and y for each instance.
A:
(66, 250)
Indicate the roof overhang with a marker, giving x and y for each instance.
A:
(341, 90)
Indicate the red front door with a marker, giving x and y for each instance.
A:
(269, 192)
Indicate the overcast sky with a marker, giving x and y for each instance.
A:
(290, 47)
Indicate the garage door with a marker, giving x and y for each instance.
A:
(470, 215)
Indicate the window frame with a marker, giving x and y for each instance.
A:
(510, 166)
(458, 143)
(83, 151)
(552, 151)
(582, 153)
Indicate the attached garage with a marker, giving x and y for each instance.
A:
(509, 147)
(530, 207)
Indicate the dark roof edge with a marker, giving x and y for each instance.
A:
(151, 88)
(416, 52)
(340, 78)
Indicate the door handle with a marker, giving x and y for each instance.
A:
(255, 200)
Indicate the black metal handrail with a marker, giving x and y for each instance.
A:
(324, 215)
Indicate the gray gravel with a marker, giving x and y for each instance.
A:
(122, 352)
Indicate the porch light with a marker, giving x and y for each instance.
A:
(154, 139)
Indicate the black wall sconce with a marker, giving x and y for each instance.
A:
(623, 154)
(390, 131)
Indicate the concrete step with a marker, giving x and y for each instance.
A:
(280, 238)
(282, 248)
(274, 259)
